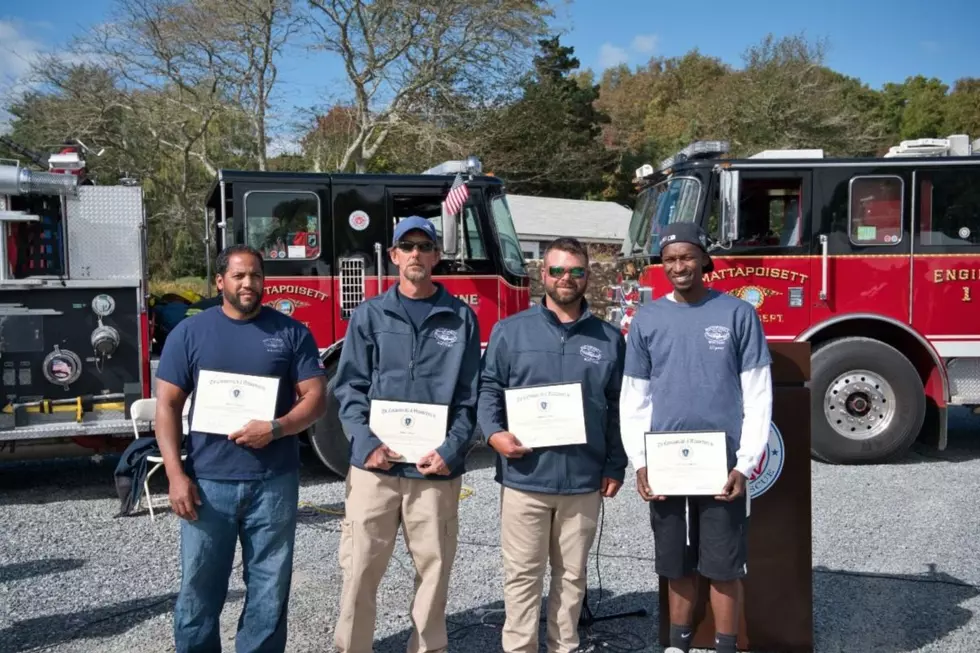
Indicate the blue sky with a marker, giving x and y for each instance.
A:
(875, 40)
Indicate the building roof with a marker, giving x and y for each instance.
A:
(544, 218)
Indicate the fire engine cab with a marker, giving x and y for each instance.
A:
(325, 239)
(873, 261)
(74, 334)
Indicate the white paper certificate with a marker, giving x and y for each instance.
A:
(546, 415)
(224, 402)
(409, 429)
(686, 463)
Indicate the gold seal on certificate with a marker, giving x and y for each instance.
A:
(686, 463)
(409, 429)
(546, 415)
(224, 402)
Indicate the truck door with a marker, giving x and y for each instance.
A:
(945, 277)
(767, 263)
(289, 224)
(862, 244)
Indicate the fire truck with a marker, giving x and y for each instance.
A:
(873, 261)
(74, 332)
(325, 239)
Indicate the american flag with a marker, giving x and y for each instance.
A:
(457, 196)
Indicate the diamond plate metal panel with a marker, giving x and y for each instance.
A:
(964, 380)
(103, 225)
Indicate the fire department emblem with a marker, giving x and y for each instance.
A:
(770, 466)
(287, 306)
(543, 405)
(407, 420)
(754, 295)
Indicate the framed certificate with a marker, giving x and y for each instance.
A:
(546, 415)
(224, 402)
(409, 429)
(686, 463)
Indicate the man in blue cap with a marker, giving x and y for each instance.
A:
(697, 360)
(419, 344)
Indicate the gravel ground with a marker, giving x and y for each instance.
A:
(894, 555)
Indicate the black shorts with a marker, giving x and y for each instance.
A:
(700, 535)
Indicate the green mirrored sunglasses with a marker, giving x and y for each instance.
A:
(557, 271)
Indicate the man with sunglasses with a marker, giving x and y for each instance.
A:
(698, 361)
(415, 343)
(551, 496)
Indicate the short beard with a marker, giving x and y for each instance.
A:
(237, 303)
(556, 298)
(416, 274)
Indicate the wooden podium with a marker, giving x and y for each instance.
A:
(777, 614)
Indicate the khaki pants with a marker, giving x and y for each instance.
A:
(427, 511)
(534, 528)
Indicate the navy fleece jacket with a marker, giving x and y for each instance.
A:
(534, 348)
(384, 358)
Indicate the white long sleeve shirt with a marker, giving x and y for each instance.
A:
(636, 412)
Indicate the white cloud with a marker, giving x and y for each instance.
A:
(611, 55)
(645, 43)
(17, 52)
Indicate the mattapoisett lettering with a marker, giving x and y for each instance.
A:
(414, 411)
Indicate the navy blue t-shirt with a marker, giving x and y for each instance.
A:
(419, 309)
(270, 344)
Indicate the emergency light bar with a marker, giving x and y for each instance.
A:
(471, 166)
(696, 150)
(955, 145)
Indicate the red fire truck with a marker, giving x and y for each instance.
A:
(873, 261)
(74, 333)
(325, 238)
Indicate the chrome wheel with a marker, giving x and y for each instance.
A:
(859, 404)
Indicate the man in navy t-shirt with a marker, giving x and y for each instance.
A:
(697, 360)
(244, 483)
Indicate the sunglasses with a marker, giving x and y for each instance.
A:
(558, 271)
(424, 246)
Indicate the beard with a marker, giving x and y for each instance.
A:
(416, 273)
(564, 295)
(240, 304)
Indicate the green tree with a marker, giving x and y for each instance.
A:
(548, 141)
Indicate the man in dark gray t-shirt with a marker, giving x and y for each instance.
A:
(697, 360)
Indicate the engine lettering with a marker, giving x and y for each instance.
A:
(955, 274)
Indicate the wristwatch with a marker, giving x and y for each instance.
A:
(277, 430)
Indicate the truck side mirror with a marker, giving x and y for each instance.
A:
(729, 207)
(450, 235)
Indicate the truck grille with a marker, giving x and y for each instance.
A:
(351, 285)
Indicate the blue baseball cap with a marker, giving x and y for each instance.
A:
(411, 224)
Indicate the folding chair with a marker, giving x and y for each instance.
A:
(145, 410)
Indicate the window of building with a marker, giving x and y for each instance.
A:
(283, 225)
(875, 210)
(949, 207)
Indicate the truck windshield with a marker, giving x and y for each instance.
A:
(672, 200)
(510, 245)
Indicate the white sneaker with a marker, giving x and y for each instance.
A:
(673, 649)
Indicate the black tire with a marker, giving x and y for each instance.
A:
(327, 435)
(903, 416)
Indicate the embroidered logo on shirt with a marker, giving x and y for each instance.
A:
(274, 345)
(590, 354)
(717, 336)
(445, 337)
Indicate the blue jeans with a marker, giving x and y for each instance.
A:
(262, 514)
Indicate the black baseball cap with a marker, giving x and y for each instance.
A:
(686, 232)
